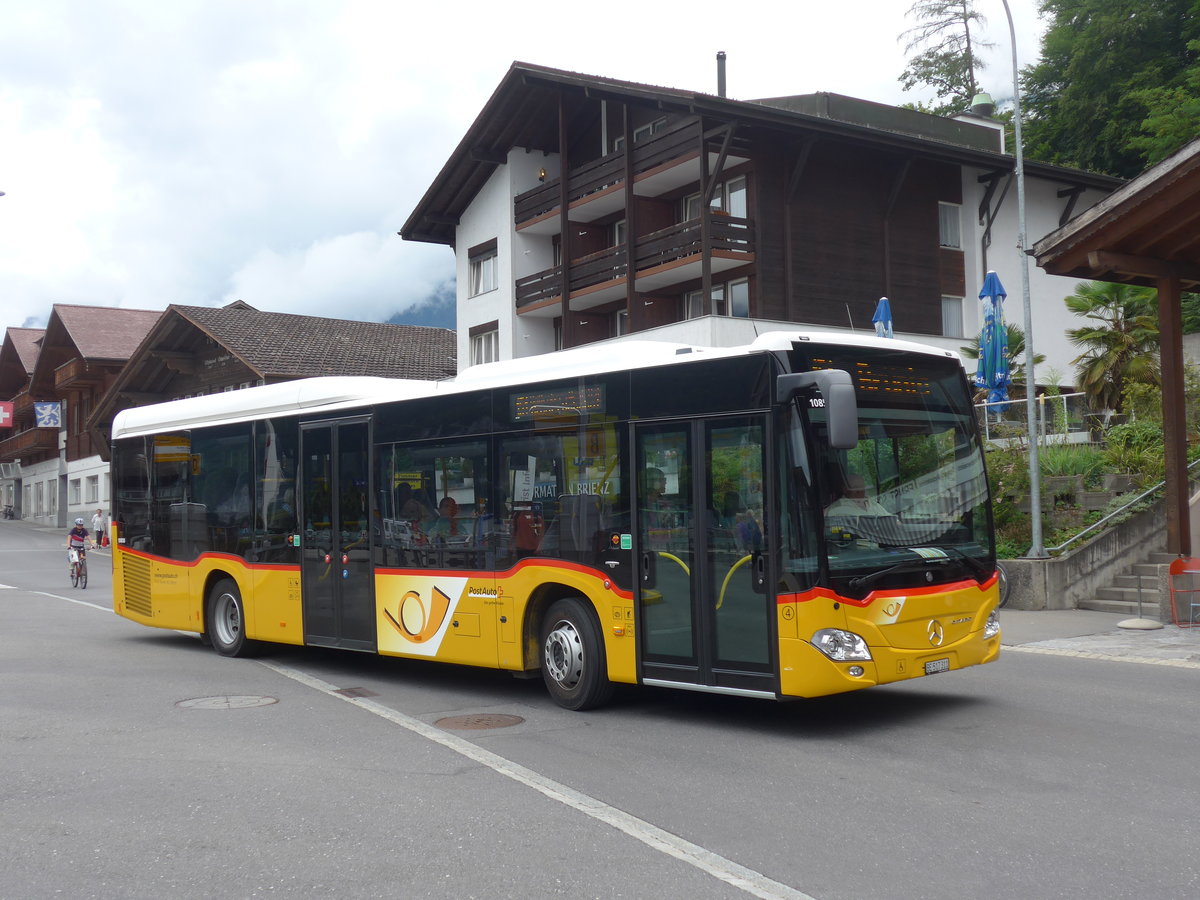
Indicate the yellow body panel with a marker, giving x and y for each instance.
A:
(480, 618)
(900, 629)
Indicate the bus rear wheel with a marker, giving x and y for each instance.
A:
(226, 620)
(572, 656)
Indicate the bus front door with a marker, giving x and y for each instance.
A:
(335, 570)
(704, 608)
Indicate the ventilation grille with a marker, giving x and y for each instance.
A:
(137, 584)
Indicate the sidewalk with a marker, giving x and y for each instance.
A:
(1081, 632)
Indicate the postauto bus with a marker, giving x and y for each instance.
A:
(798, 517)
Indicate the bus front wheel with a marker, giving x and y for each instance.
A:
(572, 656)
(226, 625)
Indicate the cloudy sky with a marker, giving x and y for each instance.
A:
(195, 152)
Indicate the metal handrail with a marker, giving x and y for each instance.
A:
(1117, 512)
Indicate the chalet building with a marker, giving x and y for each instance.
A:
(582, 208)
(18, 434)
(197, 350)
(53, 469)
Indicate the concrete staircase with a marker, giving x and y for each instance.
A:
(1122, 595)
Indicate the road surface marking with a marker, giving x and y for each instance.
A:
(753, 883)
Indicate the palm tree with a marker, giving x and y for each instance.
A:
(1120, 344)
(1016, 347)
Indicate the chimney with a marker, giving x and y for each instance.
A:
(720, 73)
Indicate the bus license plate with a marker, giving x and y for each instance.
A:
(937, 665)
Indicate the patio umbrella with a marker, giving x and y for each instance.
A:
(883, 318)
(992, 370)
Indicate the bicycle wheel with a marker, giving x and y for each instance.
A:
(83, 576)
(74, 574)
(1004, 589)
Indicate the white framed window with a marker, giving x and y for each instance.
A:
(481, 276)
(93, 488)
(620, 323)
(949, 227)
(107, 495)
(485, 347)
(620, 233)
(641, 132)
(730, 299)
(739, 298)
(76, 491)
(952, 317)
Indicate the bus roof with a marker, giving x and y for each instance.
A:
(333, 393)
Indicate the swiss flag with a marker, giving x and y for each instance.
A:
(6, 413)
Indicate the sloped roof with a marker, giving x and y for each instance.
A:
(18, 356)
(284, 345)
(523, 111)
(101, 332)
(27, 344)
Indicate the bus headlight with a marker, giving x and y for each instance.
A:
(992, 628)
(840, 645)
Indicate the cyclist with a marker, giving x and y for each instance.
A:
(78, 538)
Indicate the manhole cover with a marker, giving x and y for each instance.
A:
(238, 702)
(478, 722)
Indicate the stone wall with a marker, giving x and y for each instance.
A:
(1062, 582)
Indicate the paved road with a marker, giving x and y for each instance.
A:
(1044, 775)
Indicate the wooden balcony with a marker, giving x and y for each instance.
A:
(77, 373)
(593, 187)
(29, 443)
(665, 257)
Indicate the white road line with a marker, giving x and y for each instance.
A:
(753, 883)
(74, 600)
(1110, 657)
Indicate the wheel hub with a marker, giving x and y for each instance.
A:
(564, 655)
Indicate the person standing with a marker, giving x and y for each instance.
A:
(99, 532)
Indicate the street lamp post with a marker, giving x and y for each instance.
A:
(1037, 549)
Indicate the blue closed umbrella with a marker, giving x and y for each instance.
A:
(992, 372)
(883, 318)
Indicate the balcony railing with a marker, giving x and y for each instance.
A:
(75, 371)
(28, 443)
(679, 242)
(597, 174)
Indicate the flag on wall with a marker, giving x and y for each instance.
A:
(6, 414)
(47, 415)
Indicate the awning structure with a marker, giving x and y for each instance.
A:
(1147, 233)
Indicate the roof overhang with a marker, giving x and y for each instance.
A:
(523, 112)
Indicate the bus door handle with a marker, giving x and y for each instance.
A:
(758, 572)
(647, 567)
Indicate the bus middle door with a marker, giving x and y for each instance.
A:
(336, 574)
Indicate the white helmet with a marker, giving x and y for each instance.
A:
(79, 521)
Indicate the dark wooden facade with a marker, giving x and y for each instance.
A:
(838, 212)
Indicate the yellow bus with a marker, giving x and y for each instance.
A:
(798, 517)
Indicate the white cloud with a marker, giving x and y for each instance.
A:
(197, 151)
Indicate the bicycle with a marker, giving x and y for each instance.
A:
(78, 561)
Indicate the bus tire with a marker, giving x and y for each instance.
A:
(572, 656)
(225, 620)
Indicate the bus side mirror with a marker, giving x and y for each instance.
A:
(837, 395)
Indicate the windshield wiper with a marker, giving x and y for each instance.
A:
(908, 565)
(977, 566)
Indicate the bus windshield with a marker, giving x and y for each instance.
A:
(911, 500)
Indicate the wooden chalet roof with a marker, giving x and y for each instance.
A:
(18, 356)
(523, 112)
(100, 334)
(284, 345)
